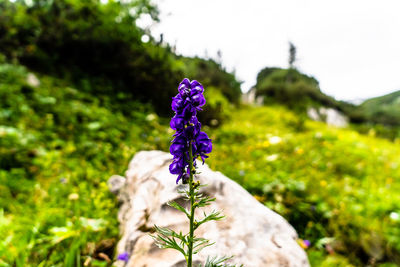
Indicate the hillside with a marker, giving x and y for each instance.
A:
(292, 88)
(383, 109)
(59, 145)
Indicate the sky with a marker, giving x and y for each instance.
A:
(352, 47)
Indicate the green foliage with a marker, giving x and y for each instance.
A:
(218, 262)
(338, 188)
(58, 147)
(218, 108)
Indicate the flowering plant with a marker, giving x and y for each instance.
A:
(189, 143)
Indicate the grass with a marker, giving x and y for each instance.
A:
(338, 188)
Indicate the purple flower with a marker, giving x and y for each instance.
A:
(184, 87)
(186, 104)
(177, 103)
(178, 146)
(197, 86)
(177, 123)
(177, 166)
(197, 98)
(123, 257)
(204, 145)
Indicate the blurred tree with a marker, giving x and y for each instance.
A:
(292, 55)
(292, 60)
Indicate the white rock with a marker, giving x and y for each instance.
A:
(313, 114)
(254, 234)
(250, 97)
(329, 115)
(115, 183)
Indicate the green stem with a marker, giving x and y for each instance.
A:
(192, 207)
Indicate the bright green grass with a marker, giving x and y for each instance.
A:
(336, 187)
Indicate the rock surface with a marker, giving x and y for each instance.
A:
(329, 115)
(254, 234)
(250, 97)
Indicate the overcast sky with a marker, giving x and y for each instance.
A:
(352, 47)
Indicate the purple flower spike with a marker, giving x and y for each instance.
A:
(123, 257)
(185, 104)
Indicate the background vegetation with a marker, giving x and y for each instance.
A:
(299, 92)
(80, 94)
